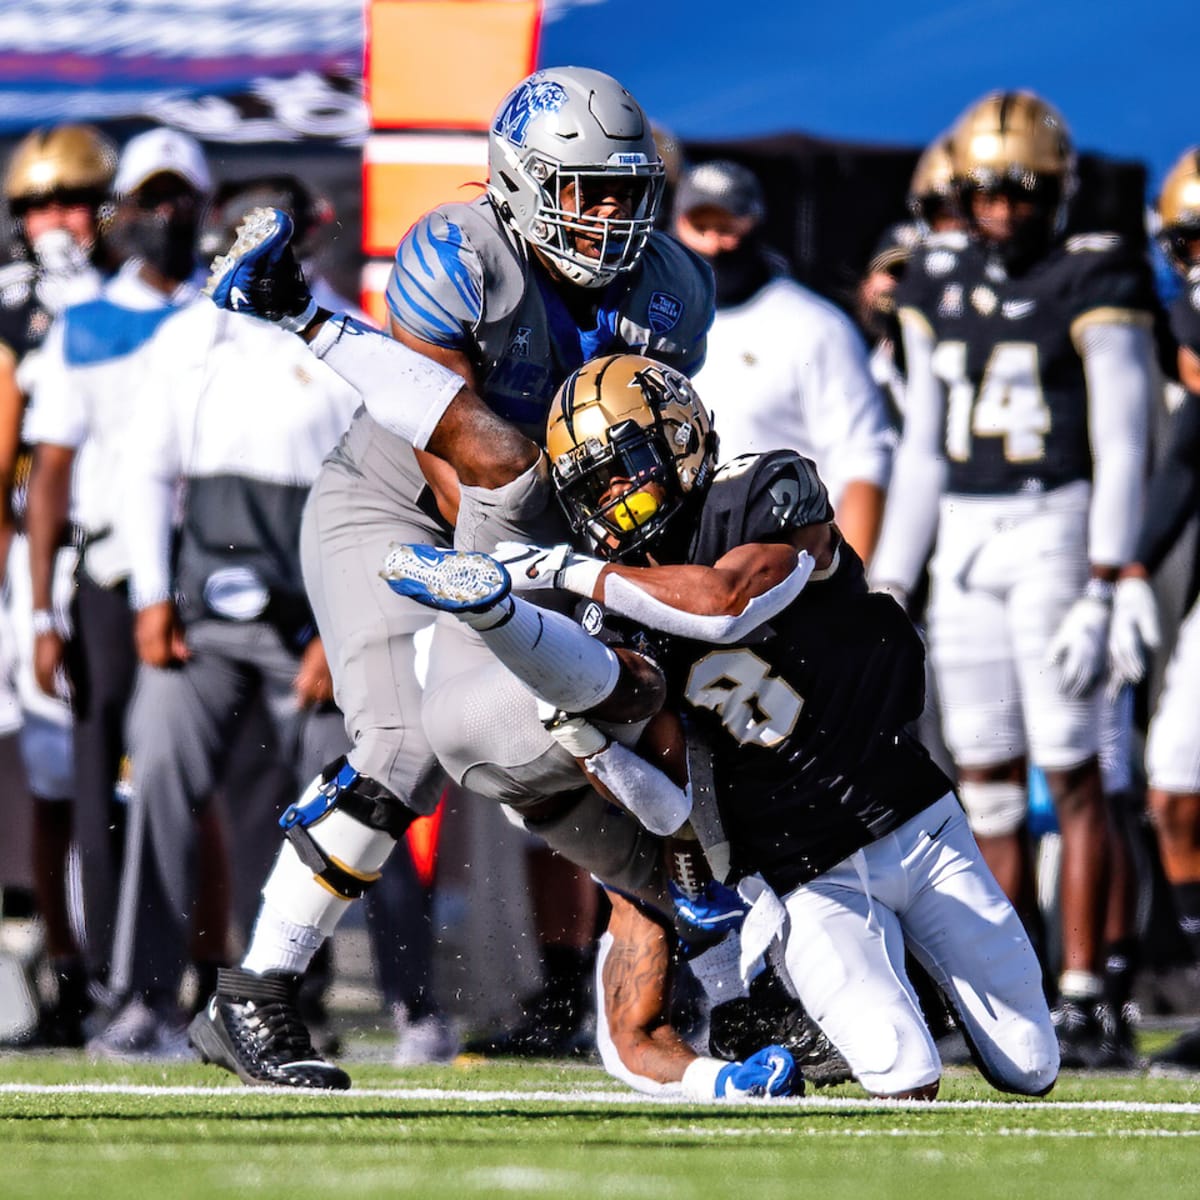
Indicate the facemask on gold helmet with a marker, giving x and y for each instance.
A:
(1179, 212)
(1017, 145)
(630, 444)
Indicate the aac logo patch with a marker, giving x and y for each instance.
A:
(519, 346)
(664, 312)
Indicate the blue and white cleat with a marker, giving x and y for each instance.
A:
(448, 580)
(259, 275)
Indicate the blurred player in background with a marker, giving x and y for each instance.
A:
(55, 183)
(1029, 362)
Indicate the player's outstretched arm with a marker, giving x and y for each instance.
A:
(718, 604)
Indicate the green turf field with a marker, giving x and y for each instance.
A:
(71, 1128)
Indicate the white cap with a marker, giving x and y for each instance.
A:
(158, 152)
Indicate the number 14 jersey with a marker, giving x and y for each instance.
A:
(1007, 351)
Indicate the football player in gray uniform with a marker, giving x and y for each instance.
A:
(492, 304)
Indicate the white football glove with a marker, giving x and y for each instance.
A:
(535, 568)
(1134, 631)
(1080, 647)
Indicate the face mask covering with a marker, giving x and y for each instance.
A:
(739, 273)
(165, 243)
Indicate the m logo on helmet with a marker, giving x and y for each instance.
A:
(529, 100)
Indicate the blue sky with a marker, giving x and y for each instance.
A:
(1124, 75)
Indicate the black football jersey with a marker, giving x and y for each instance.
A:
(1185, 317)
(1006, 350)
(807, 718)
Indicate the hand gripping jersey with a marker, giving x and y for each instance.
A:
(1007, 351)
(808, 717)
(462, 280)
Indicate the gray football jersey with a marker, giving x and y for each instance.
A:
(462, 280)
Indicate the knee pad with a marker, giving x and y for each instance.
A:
(993, 809)
(352, 811)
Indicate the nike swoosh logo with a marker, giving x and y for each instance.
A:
(934, 835)
(238, 298)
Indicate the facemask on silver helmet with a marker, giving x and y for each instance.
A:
(575, 172)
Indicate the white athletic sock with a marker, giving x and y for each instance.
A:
(278, 944)
(548, 652)
(298, 912)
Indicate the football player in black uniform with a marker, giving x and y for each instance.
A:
(55, 182)
(1173, 744)
(840, 832)
(1029, 381)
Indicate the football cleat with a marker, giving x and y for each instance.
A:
(1181, 1057)
(1089, 1039)
(738, 1026)
(252, 1027)
(448, 580)
(259, 275)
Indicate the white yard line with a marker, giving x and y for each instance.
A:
(597, 1096)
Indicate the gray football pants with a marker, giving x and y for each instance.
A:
(353, 515)
(364, 500)
(180, 727)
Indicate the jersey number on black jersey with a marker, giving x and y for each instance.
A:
(756, 707)
(1009, 403)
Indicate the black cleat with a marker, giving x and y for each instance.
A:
(551, 1028)
(742, 1026)
(1181, 1057)
(1090, 1040)
(252, 1027)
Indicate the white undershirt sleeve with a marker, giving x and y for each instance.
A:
(919, 471)
(404, 391)
(627, 599)
(604, 1041)
(1117, 363)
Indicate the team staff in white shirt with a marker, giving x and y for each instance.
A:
(77, 426)
(789, 367)
(223, 620)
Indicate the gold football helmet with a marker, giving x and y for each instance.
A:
(1179, 211)
(70, 161)
(1016, 141)
(630, 444)
(931, 191)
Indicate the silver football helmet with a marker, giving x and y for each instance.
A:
(574, 171)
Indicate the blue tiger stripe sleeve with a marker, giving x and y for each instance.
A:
(435, 290)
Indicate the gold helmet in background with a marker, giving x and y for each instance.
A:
(629, 443)
(1018, 142)
(1179, 211)
(72, 162)
(932, 188)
